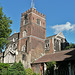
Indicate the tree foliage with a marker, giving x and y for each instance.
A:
(50, 68)
(29, 71)
(71, 45)
(4, 68)
(5, 30)
(17, 69)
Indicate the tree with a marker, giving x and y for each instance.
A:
(71, 45)
(5, 30)
(3, 68)
(50, 68)
(17, 69)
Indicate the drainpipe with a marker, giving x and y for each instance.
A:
(69, 68)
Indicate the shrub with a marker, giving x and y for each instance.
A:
(17, 69)
(36, 73)
(4, 68)
(29, 71)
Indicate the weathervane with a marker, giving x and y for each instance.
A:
(32, 4)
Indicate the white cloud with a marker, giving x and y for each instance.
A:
(62, 27)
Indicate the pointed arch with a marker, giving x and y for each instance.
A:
(24, 33)
(23, 48)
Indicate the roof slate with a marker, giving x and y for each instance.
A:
(58, 56)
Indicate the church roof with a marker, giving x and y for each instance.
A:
(66, 55)
(51, 36)
(57, 35)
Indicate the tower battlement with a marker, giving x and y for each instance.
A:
(33, 10)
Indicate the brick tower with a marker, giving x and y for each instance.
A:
(32, 37)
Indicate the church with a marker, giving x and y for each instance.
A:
(30, 45)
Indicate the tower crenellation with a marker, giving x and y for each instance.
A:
(32, 10)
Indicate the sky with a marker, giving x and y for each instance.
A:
(60, 15)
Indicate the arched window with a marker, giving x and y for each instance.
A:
(24, 48)
(24, 33)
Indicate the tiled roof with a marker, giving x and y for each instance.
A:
(58, 56)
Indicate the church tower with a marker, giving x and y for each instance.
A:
(32, 36)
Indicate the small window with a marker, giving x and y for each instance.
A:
(25, 22)
(14, 46)
(24, 33)
(23, 48)
(47, 45)
(38, 22)
(23, 56)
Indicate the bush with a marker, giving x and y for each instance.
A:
(35, 73)
(29, 71)
(4, 68)
(17, 69)
(71, 45)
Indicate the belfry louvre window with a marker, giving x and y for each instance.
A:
(38, 22)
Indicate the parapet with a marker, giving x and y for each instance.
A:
(34, 11)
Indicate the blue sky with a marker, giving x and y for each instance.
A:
(60, 15)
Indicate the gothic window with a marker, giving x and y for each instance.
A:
(24, 57)
(47, 45)
(56, 44)
(38, 22)
(24, 33)
(24, 48)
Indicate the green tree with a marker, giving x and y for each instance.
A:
(17, 69)
(50, 68)
(29, 71)
(71, 45)
(5, 30)
(4, 68)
